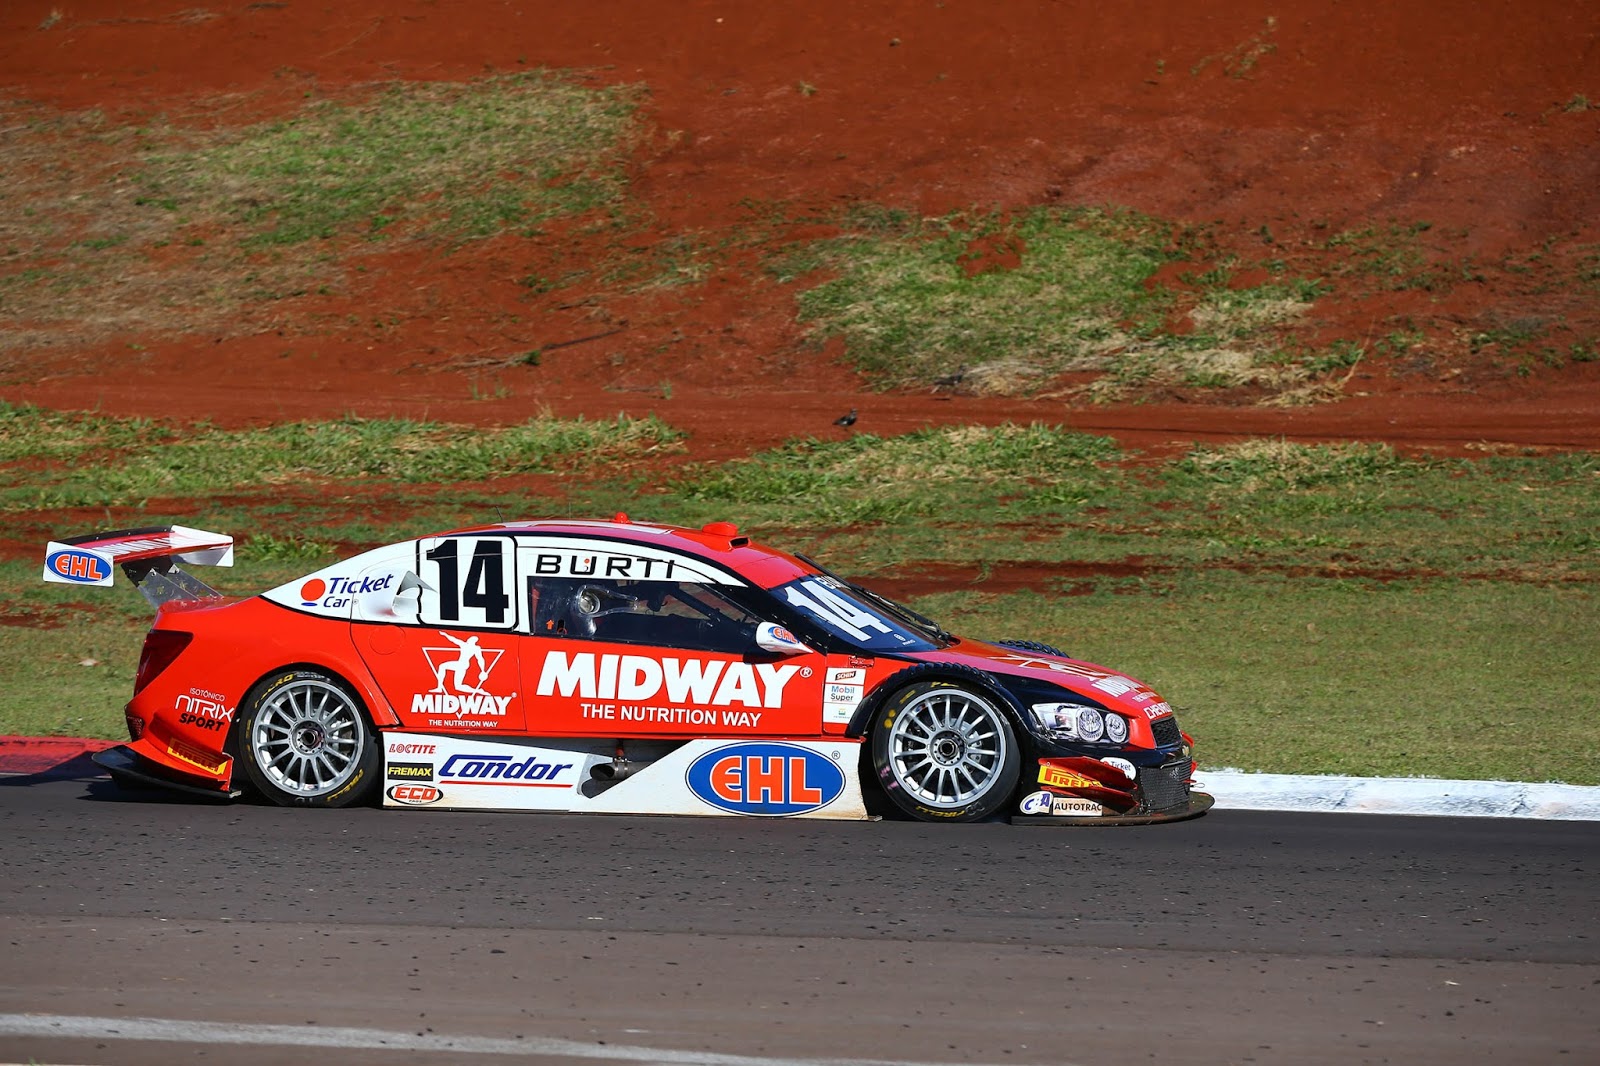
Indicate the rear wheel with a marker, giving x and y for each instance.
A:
(307, 742)
(945, 752)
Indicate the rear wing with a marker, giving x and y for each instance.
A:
(149, 557)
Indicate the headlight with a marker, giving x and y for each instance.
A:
(1057, 717)
(1091, 724)
(1077, 722)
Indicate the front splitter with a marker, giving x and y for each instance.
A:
(1199, 803)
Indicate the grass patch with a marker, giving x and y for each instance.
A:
(1004, 304)
(1451, 679)
(202, 459)
(449, 160)
(868, 478)
(1333, 608)
(119, 228)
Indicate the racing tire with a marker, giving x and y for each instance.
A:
(945, 752)
(306, 741)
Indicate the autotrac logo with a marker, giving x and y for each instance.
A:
(75, 564)
(768, 779)
(475, 769)
(337, 592)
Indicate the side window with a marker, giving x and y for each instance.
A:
(668, 614)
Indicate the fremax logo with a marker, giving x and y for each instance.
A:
(768, 779)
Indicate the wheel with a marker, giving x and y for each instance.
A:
(945, 752)
(307, 742)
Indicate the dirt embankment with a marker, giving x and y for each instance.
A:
(1277, 125)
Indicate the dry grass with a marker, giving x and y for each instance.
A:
(108, 229)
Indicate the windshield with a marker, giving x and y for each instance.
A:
(860, 619)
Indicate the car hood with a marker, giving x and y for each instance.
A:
(1108, 688)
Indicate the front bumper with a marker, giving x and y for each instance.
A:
(129, 769)
(1083, 790)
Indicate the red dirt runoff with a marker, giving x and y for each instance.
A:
(1273, 124)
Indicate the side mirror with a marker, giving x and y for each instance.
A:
(778, 640)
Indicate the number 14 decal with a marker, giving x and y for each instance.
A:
(470, 574)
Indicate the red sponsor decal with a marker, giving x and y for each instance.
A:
(415, 795)
(1056, 777)
(763, 779)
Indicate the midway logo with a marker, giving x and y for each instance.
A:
(457, 689)
(704, 682)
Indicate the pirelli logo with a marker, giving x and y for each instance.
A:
(411, 771)
(1057, 777)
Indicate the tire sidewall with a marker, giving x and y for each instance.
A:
(992, 800)
(362, 783)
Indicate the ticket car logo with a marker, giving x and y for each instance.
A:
(75, 564)
(769, 779)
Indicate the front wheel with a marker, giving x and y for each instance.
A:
(945, 752)
(307, 742)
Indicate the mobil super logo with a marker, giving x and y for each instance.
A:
(770, 779)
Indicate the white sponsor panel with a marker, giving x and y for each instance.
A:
(613, 561)
(548, 774)
(1051, 803)
(842, 691)
(369, 586)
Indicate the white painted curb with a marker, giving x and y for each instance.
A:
(1239, 791)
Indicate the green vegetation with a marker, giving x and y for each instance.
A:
(1333, 608)
(925, 473)
(201, 459)
(169, 227)
(459, 161)
(1002, 304)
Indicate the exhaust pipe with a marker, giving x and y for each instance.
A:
(616, 770)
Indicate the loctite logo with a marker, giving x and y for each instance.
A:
(704, 682)
(766, 779)
(76, 565)
(415, 795)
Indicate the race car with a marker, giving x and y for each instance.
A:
(614, 667)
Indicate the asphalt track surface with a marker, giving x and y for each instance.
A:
(141, 930)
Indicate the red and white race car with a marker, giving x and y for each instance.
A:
(614, 667)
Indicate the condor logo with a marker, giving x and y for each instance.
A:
(774, 780)
(415, 795)
(77, 565)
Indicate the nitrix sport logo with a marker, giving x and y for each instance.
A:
(770, 779)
